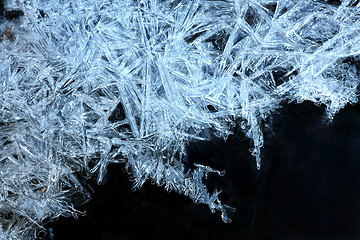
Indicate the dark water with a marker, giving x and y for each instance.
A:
(308, 188)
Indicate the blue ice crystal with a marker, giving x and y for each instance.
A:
(85, 83)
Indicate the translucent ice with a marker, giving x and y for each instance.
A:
(84, 83)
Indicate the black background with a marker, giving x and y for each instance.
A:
(308, 188)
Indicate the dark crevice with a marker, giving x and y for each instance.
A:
(219, 41)
(9, 14)
(192, 38)
(251, 17)
(118, 114)
(282, 75)
(271, 7)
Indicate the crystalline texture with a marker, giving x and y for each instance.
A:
(84, 83)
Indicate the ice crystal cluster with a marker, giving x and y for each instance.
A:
(84, 83)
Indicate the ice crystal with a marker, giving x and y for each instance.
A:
(85, 83)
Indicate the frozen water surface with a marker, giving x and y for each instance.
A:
(86, 83)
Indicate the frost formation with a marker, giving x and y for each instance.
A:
(85, 83)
